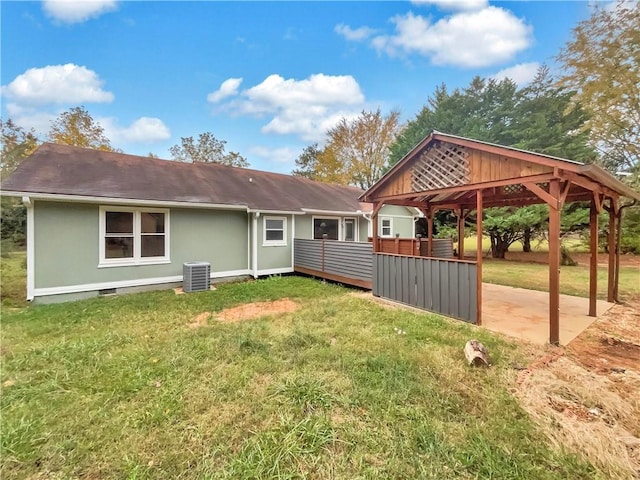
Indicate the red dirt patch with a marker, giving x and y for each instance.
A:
(256, 310)
(612, 343)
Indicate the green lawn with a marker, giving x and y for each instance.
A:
(573, 280)
(121, 387)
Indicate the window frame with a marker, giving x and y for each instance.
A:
(137, 258)
(325, 217)
(356, 236)
(274, 243)
(382, 227)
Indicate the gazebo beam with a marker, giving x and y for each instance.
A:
(543, 177)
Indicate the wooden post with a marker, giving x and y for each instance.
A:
(397, 244)
(460, 217)
(616, 278)
(479, 256)
(324, 239)
(554, 266)
(430, 233)
(611, 246)
(593, 261)
(374, 228)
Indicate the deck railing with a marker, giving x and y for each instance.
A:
(416, 247)
(346, 262)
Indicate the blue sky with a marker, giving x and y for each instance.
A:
(268, 77)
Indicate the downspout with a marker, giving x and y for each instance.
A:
(293, 241)
(254, 244)
(369, 220)
(31, 260)
(618, 240)
(415, 218)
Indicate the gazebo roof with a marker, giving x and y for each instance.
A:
(446, 171)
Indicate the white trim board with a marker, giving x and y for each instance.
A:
(31, 248)
(138, 282)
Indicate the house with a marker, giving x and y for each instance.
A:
(104, 222)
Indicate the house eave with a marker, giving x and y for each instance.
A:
(333, 212)
(120, 201)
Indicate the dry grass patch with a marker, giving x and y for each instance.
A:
(580, 410)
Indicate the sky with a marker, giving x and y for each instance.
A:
(269, 78)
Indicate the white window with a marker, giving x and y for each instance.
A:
(275, 231)
(386, 227)
(326, 226)
(133, 236)
(350, 229)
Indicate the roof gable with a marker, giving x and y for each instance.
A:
(443, 162)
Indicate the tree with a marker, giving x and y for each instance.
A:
(357, 150)
(208, 149)
(307, 162)
(534, 118)
(545, 123)
(16, 144)
(483, 111)
(601, 62)
(76, 127)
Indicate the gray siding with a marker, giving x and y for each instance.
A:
(67, 245)
(442, 286)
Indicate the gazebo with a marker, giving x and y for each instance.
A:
(447, 172)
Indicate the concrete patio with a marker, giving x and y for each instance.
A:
(524, 314)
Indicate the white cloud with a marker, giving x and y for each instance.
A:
(37, 96)
(354, 35)
(40, 121)
(77, 11)
(306, 108)
(142, 130)
(454, 4)
(521, 73)
(59, 84)
(474, 38)
(279, 155)
(228, 88)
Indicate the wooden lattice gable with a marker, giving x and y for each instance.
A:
(446, 170)
(446, 162)
(441, 165)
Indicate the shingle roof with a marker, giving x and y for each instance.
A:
(66, 170)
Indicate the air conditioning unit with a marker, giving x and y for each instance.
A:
(196, 276)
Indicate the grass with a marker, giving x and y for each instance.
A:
(573, 280)
(120, 387)
(537, 245)
(13, 281)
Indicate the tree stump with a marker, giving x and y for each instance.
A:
(476, 354)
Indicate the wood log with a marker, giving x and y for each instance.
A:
(476, 353)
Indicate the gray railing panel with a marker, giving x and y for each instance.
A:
(443, 286)
(351, 260)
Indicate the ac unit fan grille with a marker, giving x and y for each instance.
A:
(196, 276)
